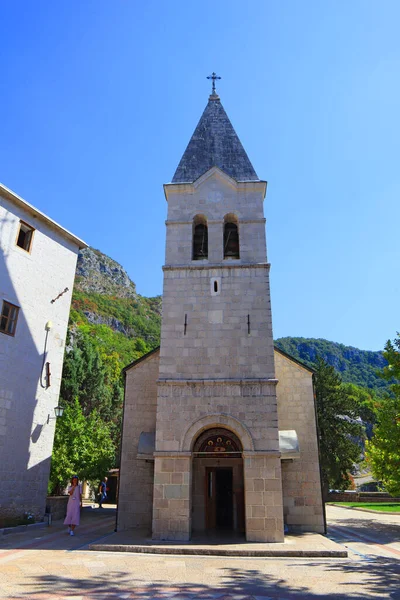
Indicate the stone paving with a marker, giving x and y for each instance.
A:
(311, 545)
(46, 564)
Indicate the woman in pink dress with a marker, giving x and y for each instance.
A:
(74, 505)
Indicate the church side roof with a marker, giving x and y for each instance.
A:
(295, 360)
(214, 143)
(141, 359)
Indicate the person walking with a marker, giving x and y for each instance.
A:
(74, 505)
(103, 491)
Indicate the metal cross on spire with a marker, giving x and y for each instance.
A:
(214, 77)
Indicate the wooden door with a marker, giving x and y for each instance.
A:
(219, 498)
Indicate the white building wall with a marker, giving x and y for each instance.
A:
(31, 281)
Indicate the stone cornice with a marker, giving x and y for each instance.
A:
(230, 381)
(267, 453)
(172, 454)
(244, 453)
(258, 185)
(261, 220)
(220, 265)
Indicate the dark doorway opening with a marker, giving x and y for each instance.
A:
(219, 498)
(224, 490)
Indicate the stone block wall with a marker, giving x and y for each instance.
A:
(251, 404)
(249, 409)
(361, 497)
(263, 497)
(57, 506)
(227, 335)
(301, 483)
(137, 474)
(172, 497)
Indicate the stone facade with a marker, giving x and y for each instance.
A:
(302, 498)
(30, 281)
(302, 501)
(215, 370)
(135, 497)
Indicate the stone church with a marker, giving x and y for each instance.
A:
(219, 429)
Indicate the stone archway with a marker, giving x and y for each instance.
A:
(217, 420)
(217, 482)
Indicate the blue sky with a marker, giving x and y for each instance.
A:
(99, 99)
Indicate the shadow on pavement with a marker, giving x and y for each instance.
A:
(380, 577)
(381, 581)
(380, 532)
(95, 523)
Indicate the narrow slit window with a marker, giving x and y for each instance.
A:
(200, 241)
(8, 318)
(25, 236)
(231, 241)
(215, 286)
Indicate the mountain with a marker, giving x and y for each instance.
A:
(99, 274)
(106, 304)
(356, 366)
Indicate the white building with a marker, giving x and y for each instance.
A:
(37, 269)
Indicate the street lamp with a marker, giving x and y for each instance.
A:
(58, 411)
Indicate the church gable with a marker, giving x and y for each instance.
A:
(216, 174)
(152, 355)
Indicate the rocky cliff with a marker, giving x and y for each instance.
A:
(96, 272)
(106, 304)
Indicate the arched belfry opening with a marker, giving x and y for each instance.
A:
(218, 483)
(231, 237)
(200, 238)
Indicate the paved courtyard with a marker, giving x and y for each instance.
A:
(43, 564)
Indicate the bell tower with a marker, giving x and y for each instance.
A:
(216, 369)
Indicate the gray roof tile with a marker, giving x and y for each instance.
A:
(214, 143)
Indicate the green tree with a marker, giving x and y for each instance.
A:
(340, 432)
(84, 376)
(366, 401)
(383, 450)
(82, 445)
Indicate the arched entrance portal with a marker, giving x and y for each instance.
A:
(218, 482)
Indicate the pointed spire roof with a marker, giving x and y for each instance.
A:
(214, 143)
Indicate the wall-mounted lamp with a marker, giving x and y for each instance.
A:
(58, 411)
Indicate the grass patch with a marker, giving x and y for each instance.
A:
(378, 506)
